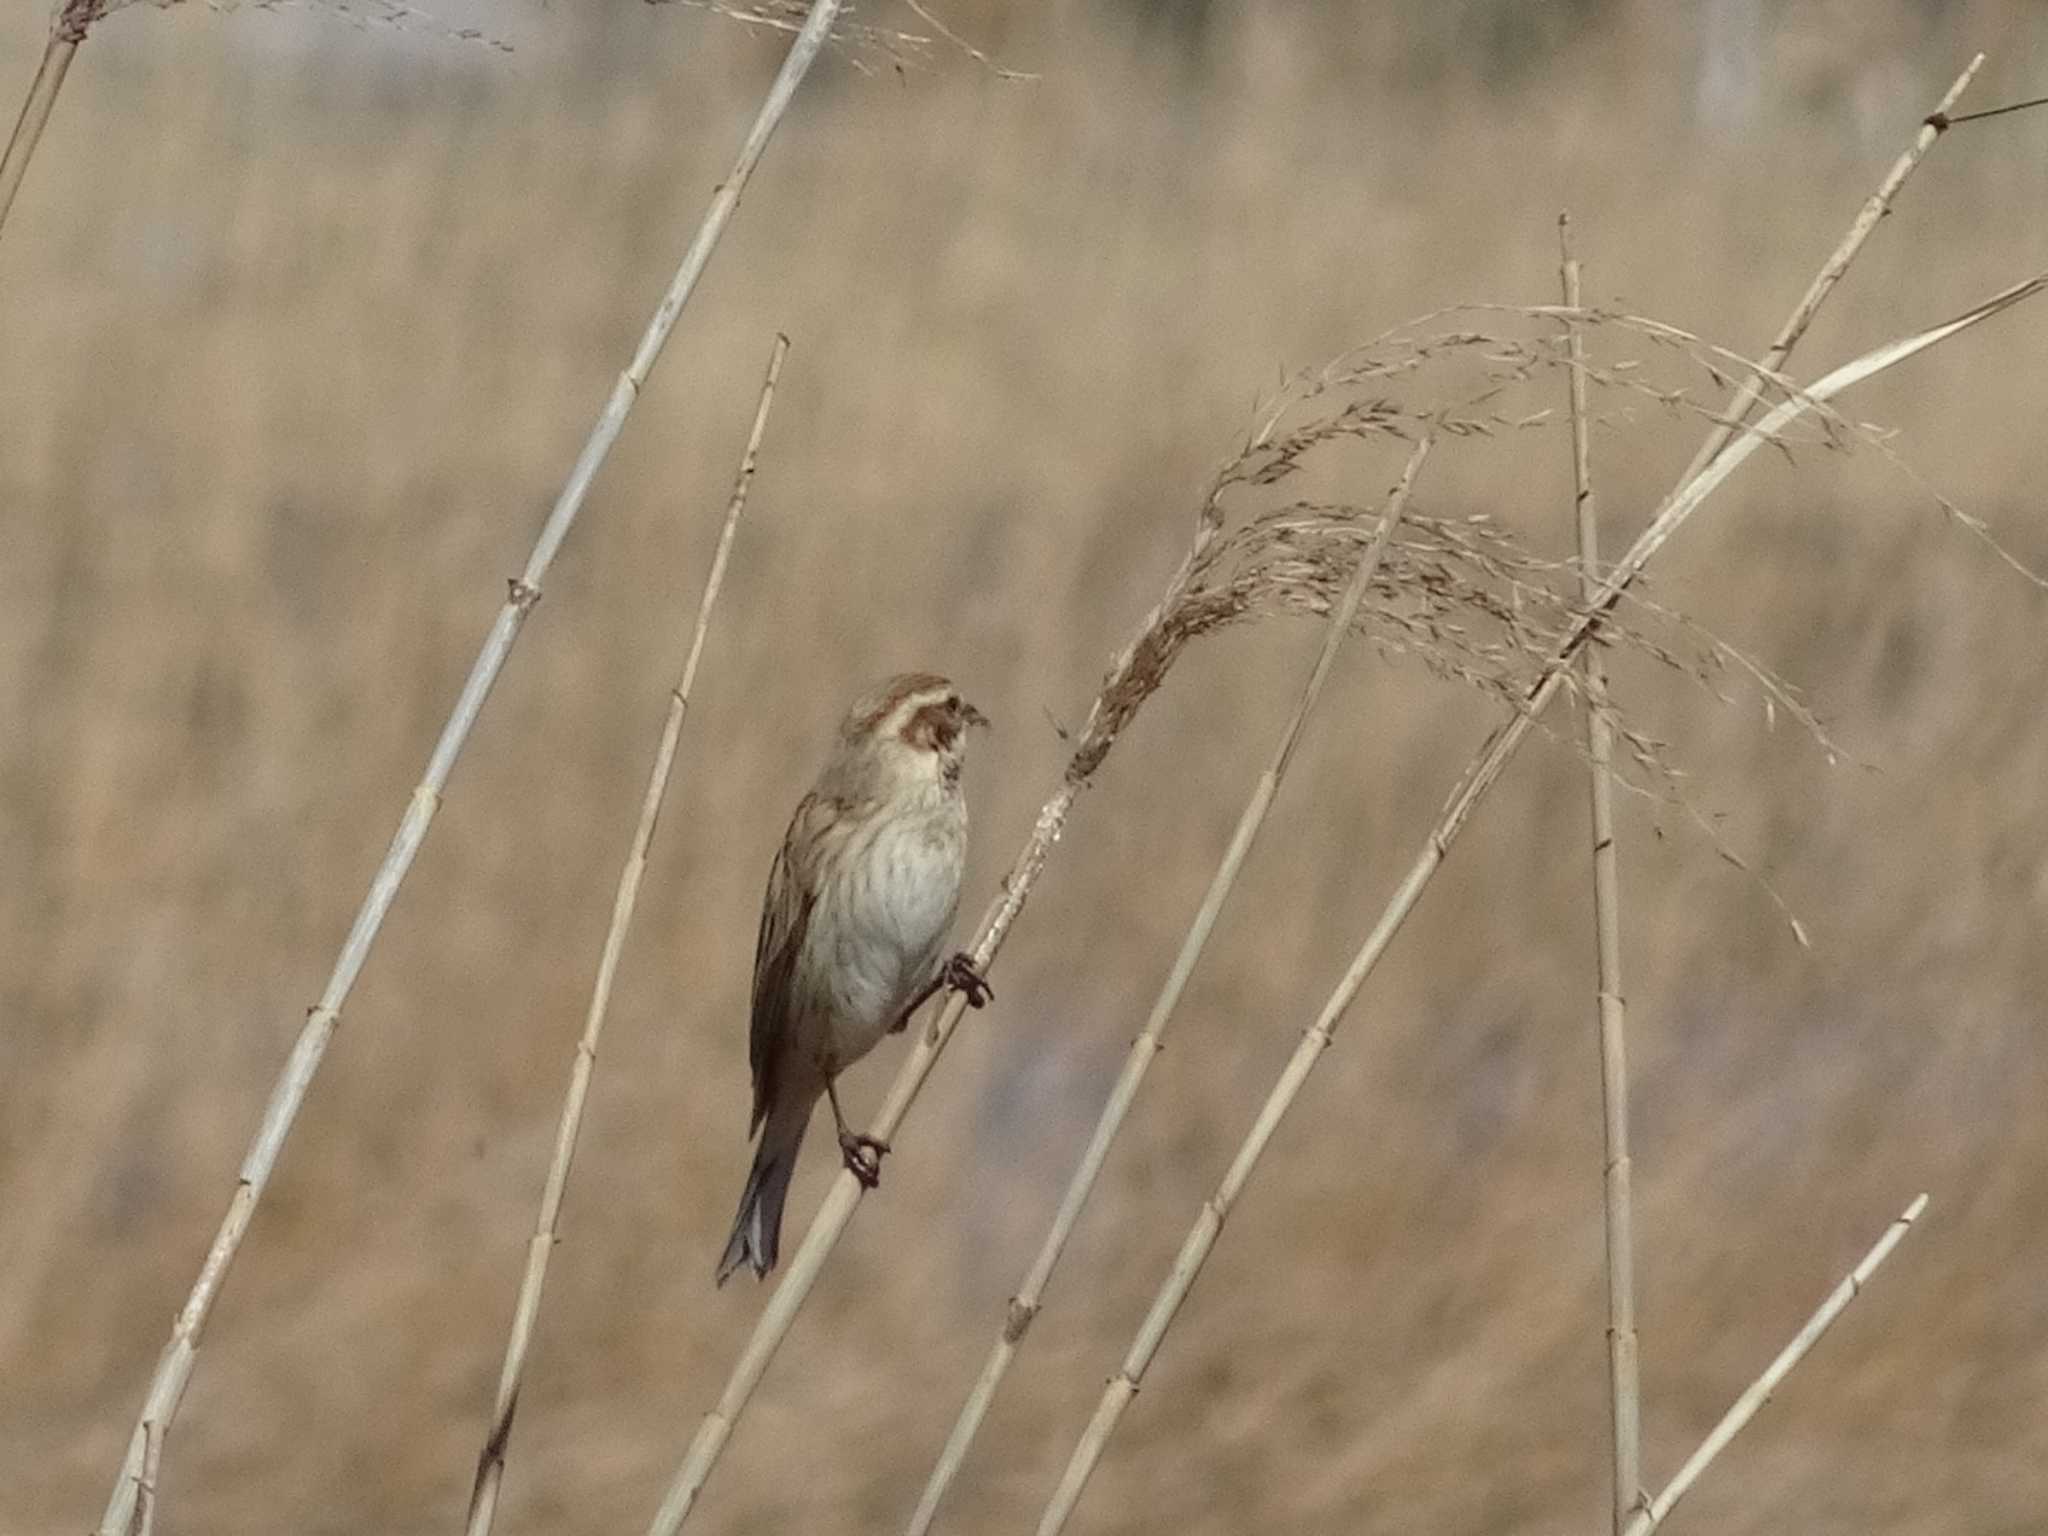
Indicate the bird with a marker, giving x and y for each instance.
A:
(861, 896)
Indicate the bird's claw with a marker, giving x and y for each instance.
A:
(863, 1157)
(961, 975)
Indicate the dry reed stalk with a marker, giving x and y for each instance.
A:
(288, 1096)
(1624, 1393)
(1745, 1407)
(1875, 207)
(490, 1471)
(1024, 1306)
(72, 21)
(1480, 776)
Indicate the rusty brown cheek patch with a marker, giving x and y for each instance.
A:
(932, 728)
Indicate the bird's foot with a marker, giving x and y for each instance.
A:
(863, 1157)
(960, 974)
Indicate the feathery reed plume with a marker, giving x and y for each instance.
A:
(1024, 1306)
(1480, 776)
(288, 1096)
(490, 1471)
(1651, 1514)
(1624, 1398)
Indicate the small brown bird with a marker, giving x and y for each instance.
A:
(860, 899)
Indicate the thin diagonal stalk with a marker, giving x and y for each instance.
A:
(1759, 1391)
(1624, 1394)
(174, 1366)
(1025, 1304)
(1874, 208)
(1480, 776)
(73, 21)
(490, 1471)
(1133, 674)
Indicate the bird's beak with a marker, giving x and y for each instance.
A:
(972, 716)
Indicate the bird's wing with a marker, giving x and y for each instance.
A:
(785, 917)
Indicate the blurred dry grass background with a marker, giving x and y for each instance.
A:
(301, 325)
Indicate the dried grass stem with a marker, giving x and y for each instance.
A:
(490, 1472)
(1624, 1392)
(174, 1366)
(1759, 1391)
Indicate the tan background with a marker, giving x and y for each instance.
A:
(301, 323)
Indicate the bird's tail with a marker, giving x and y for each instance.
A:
(757, 1230)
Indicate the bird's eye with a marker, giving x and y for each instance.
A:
(953, 701)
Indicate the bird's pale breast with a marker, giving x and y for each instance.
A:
(883, 924)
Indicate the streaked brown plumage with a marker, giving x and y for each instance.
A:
(860, 898)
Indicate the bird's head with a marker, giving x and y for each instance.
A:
(913, 725)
